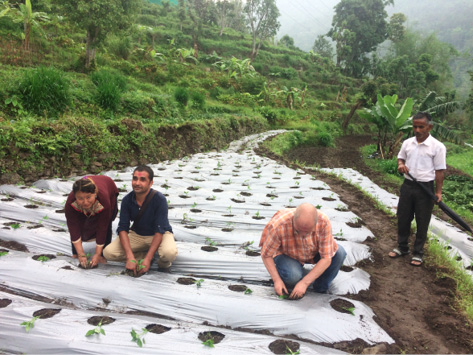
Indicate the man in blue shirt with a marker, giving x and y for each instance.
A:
(151, 231)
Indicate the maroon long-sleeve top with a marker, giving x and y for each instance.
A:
(96, 226)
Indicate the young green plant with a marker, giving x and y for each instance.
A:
(97, 330)
(29, 324)
(138, 338)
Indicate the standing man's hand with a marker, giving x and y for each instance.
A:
(131, 265)
(402, 168)
(280, 288)
(299, 290)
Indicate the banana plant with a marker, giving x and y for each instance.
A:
(392, 121)
(30, 20)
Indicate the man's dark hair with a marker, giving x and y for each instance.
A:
(421, 114)
(147, 169)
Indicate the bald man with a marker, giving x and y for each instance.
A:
(294, 237)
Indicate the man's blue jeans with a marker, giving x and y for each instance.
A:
(292, 271)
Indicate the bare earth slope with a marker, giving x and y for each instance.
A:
(414, 306)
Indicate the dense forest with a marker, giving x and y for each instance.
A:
(86, 84)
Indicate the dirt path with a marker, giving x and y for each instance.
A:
(411, 304)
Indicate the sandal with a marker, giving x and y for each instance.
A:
(416, 261)
(397, 253)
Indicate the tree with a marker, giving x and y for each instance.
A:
(200, 13)
(30, 20)
(98, 18)
(358, 27)
(181, 12)
(323, 47)
(262, 19)
(287, 41)
(224, 7)
(396, 27)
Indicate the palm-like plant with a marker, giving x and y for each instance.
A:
(30, 20)
(392, 122)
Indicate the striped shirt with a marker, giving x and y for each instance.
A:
(280, 237)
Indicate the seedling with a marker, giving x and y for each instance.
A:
(212, 198)
(257, 214)
(43, 258)
(283, 296)
(15, 225)
(297, 183)
(229, 180)
(210, 241)
(194, 205)
(229, 209)
(97, 330)
(350, 309)
(248, 291)
(318, 207)
(2, 253)
(209, 342)
(138, 338)
(45, 218)
(138, 263)
(124, 186)
(29, 324)
(247, 245)
(339, 234)
(290, 352)
(198, 283)
(186, 193)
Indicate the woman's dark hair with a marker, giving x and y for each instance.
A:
(85, 184)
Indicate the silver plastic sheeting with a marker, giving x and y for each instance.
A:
(219, 198)
(64, 333)
(212, 302)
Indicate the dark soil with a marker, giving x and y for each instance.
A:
(95, 320)
(49, 256)
(46, 313)
(281, 346)
(217, 337)
(412, 304)
(186, 281)
(157, 328)
(237, 288)
(209, 248)
(342, 306)
(4, 302)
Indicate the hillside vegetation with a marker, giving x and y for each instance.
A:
(148, 95)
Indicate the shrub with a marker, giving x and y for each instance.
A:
(389, 166)
(325, 139)
(269, 114)
(110, 86)
(45, 90)
(181, 95)
(198, 100)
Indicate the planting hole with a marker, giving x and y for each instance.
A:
(209, 248)
(31, 206)
(282, 346)
(60, 211)
(4, 302)
(252, 253)
(42, 257)
(157, 328)
(8, 199)
(46, 312)
(346, 268)
(237, 288)
(342, 306)
(217, 190)
(328, 199)
(186, 281)
(217, 337)
(95, 320)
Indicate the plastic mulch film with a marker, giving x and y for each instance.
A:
(221, 200)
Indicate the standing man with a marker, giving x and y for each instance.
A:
(424, 157)
(150, 231)
(294, 237)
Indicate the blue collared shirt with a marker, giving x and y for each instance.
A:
(154, 219)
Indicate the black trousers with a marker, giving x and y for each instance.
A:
(414, 202)
(108, 240)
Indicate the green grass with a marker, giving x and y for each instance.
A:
(449, 267)
(462, 160)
